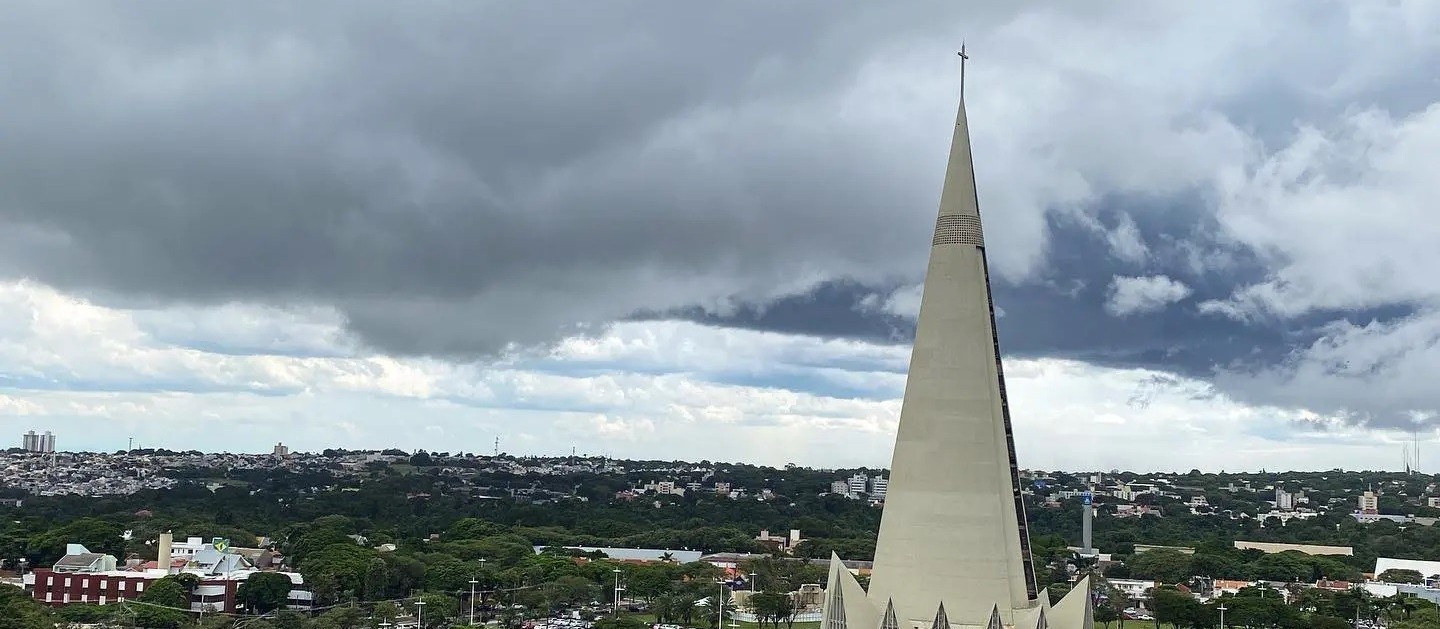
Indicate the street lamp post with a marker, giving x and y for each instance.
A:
(616, 609)
(721, 619)
(420, 613)
(1221, 609)
(472, 600)
(752, 582)
(482, 592)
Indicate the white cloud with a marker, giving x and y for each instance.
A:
(640, 389)
(16, 406)
(1126, 243)
(1375, 372)
(901, 302)
(1343, 217)
(1140, 295)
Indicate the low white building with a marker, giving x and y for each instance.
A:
(1427, 569)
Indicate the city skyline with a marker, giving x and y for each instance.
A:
(222, 233)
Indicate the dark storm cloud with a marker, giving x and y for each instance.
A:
(453, 177)
(458, 178)
(1061, 312)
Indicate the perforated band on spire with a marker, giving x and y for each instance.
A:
(958, 229)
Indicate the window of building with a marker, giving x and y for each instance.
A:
(122, 586)
(67, 582)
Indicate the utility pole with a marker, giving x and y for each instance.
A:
(1221, 609)
(420, 613)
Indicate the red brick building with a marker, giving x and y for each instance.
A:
(102, 588)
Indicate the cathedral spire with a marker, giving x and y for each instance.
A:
(953, 546)
(953, 525)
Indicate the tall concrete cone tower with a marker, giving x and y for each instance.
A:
(953, 549)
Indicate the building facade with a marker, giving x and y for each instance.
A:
(31, 442)
(83, 577)
(1369, 503)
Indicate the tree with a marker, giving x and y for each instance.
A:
(165, 602)
(377, 580)
(1180, 609)
(716, 605)
(98, 536)
(1328, 622)
(385, 611)
(444, 573)
(340, 618)
(1106, 613)
(1162, 564)
(264, 592)
(772, 607)
(570, 590)
(649, 581)
(345, 562)
(1401, 575)
(785, 610)
(19, 611)
(439, 609)
(1057, 591)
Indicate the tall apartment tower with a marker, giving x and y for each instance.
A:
(30, 442)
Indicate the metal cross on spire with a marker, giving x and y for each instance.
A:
(963, 58)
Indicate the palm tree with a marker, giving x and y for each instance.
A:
(667, 557)
(725, 604)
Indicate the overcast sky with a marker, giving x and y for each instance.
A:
(696, 230)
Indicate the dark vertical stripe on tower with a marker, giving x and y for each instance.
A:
(1020, 518)
(1026, 558)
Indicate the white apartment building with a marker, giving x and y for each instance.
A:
(878, 486)
(858, 484)
(1369, 503)
(1284, 500)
